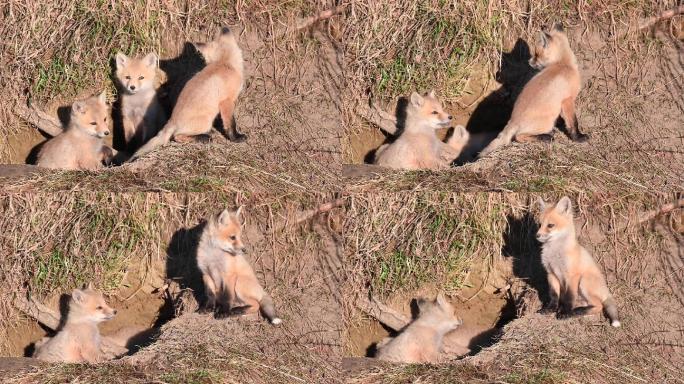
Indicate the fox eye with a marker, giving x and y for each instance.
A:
(550, 225)
(141, 77)
(99, 308)
(434, 112)
(128, 77)
(105, 119)
(233, 237)
(93, 123)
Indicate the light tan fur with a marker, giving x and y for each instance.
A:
(80, 146)
(142, 114)
(572, 272)
(418, 146)
(230, 283)
(212, 91)
(550, 93)
(422, 340)
(79, 339)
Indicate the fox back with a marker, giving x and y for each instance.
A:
(80, 145)
(79, 340)
(421, 341)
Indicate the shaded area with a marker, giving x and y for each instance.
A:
(181, 260)
(521, 245)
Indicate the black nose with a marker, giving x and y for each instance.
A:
(132, 87)
(244, 250)
(450, 117)
(106, 133)
(115, 311)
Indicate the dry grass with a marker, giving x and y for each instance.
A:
(400, 243)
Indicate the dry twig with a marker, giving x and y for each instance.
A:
(384, 314)
(653, 20)
(40, 119)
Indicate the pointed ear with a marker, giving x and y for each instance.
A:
(417, 99)
(90, 285)
(541, 204)
(79, 106)
(543, 39)
(121, 60)
(78, 296)
(225, 30)
(441, 300)
(151, 59)
(559, 27)
(564, 206)
(423, 305)
(102, 97)
(238, 211)
(225, 217)
(431, 93)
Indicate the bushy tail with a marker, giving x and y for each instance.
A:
(268, 310)
(504, 138)
(610, 309)
(163, 137)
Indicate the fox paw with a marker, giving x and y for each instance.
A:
(238, 137)
(547, 311)
(222, 313)
(580, 138)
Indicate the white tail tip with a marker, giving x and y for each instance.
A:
(616, 324)
(276, 321)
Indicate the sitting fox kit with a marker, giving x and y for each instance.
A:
(572, 272)
(212, 91)
(80, 146)
(422, 340)
(229, 280)
(418, 146)
(550, 93)
(141, 112)
(79, 339)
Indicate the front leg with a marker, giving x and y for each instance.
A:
(129, 132)
(554, 291)
(107, 155)
(570, 119)
(227, 107)
(568, 297)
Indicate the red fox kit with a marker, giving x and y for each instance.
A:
(549, 93)
(141, 112)
(570, 269)
(422, 340)
(80, 146)
(418, 146)
(212, 91)
(230, 283)
(79, 340)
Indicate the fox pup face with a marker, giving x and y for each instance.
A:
(440, 312)
(550, 47)
(228, 234)
(214, 50)
(91, 304)
(136, 75)
(555, 221)
(430, 109)
(91, 115)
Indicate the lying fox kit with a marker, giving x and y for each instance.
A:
(422, 340)
(79, 340)
(212, 91)
(80, 146)
(141, 112)
(418, 146)
(230, 283)
(570, 269)
(549, 93)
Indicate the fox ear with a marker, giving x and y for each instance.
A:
(79, 106)
(238, 211)
(151, 59)
(441, 300)
(564, 206)
(423, 305)
(431, 93)
(121, 60)
(559, 27)
(541, 204)
(102, 97)
(90, 285)
(417, 99)
(78, 296)
(224, 217)
(225, 30)
(543, 39)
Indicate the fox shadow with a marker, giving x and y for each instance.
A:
(492, 114)
(181, 260)
(521, 245)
